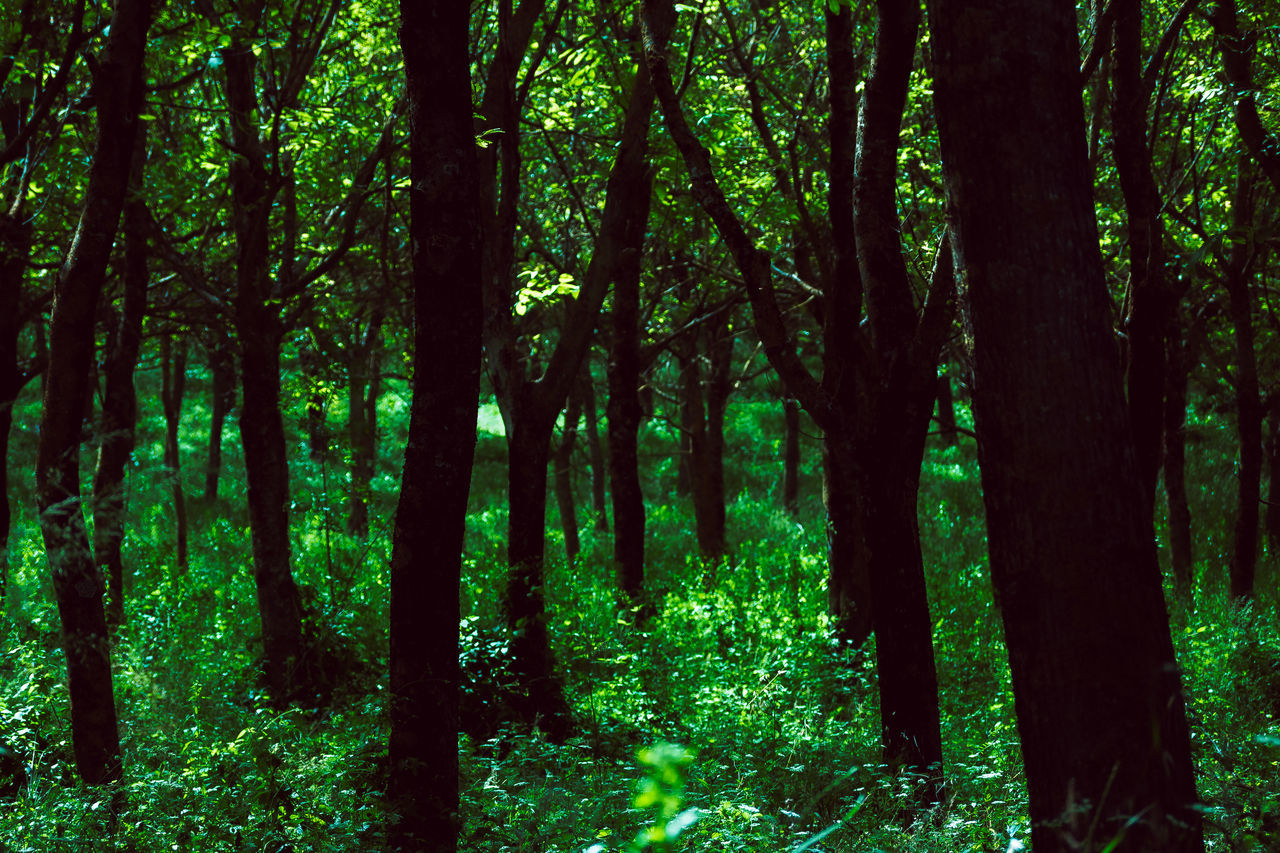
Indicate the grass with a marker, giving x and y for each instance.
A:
(771, 731)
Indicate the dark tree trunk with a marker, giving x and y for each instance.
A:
(708, 465)
(595, 452)
(1272, 518)
(15, 248)
(947, 412)
(259, 327)
(120, 402)
(316, 401)
(1152, 302)
(1238, 50)
(624, 413)
(791, 458)
(1096, 685)
(1249, 413)
(564, 479)
(848, 569)
(530, 408)
(426, 561)
(362, 430)
(690, 416)
(173, 369)
(118, 93)
(1175, 456)
(222, 368)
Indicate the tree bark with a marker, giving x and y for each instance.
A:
(563, 461)
(15, 249)
(426, 561)
(791, 457)
(120, 402)
(259, 327)
(1096, 684)
(222, 368)
(595, 451)
(117, 87)
(173, 368)
(848, 566)
(1249, 412)
(1152, 301)
(530, 408)
(624, 413)
(1181, 556)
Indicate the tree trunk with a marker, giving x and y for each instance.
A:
(564, 479)
(624, 415)
(710, 467)
(1272, 518)
(426, 561)
(222, 368)
(1152, 303)
(1096, 684)
(543, 699)
(173, 367)
(595, 452)
(316, 401)
(947, 412)
(848, 569)
(791, 458)
(120, 402)
(690, 416)
(15, 248)
(118, 92)
(1249, 413)
(1175, 455)
(258, 325)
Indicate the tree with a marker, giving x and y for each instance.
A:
(426, 561)
(1099, 700)
(118, 93)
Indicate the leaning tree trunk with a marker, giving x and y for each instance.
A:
(120, 401)
(117, 87)
(1098, 695)
(426, 560)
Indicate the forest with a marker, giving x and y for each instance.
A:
(568, 427)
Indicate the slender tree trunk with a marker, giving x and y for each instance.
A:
(624, 415)
(1152, 303)
(360, 433)
(15, 248)
(564, 479)
(711, 529)
(259, 327)
(173, 366)
(690, 416)
(595, 452)
(1272, 517)
(1175, 455)
(316, 401)
(791, 458)
(1249, 412)
(426, 561)
(222, 368)
(947, 412)
(120, 402)
(1099, 700)
(118, 92)
(543, 699)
